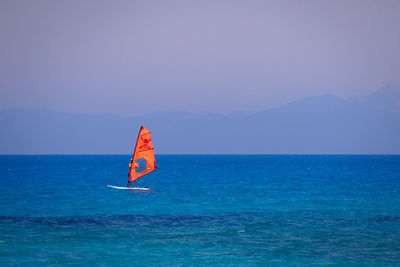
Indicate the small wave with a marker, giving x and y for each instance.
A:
(387, 219)
(133, 220)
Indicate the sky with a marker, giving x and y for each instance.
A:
(136, 57)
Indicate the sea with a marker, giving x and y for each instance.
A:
(203, 210)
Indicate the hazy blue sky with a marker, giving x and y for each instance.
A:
(133, 57)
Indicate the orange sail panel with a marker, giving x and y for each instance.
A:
(143, 154)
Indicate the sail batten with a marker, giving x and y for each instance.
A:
(144, 151)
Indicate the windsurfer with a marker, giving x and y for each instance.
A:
(130, 183)
(136, 166)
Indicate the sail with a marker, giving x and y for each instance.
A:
(144, 152)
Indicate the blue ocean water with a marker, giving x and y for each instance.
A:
(217, 210)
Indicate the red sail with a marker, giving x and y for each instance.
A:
(144, 152)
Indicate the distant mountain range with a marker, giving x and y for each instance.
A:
(324, 125)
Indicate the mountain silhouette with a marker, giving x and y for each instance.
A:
(323, 124)
(386, 98)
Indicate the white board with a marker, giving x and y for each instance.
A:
(130, 188)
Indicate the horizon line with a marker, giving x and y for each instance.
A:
(208, 154)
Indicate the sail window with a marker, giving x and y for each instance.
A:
(142, 164)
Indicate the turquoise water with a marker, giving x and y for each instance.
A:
(204, 210)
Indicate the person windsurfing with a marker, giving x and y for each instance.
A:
(135, 165)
